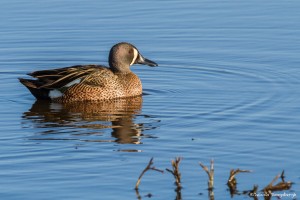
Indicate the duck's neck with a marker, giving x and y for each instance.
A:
(120, 71)
(119, 68)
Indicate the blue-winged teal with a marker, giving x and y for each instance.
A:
(91, 82)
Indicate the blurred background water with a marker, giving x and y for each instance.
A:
(227, 88)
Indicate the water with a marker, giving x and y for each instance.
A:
(227, 88)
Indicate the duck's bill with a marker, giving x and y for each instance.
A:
(144, 61)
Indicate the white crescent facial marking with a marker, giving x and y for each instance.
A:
(135, 55)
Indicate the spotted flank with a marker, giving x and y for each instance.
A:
(91, 82)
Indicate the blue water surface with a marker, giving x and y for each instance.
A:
(227, 88)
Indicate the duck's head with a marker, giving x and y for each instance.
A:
(123, 55)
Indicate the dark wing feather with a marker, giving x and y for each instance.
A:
(58, 78)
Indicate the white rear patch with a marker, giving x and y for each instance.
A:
(55, 94)
(135, 55)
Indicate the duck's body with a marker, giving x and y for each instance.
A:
(91, 82)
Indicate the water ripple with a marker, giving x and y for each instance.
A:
(220, 92)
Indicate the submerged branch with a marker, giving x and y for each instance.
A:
(232, 182)
(175, 172)
(233, 172)
(148, 167)
(210, 174)
(252, 193)
(283, 185)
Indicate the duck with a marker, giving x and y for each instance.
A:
(91, 82)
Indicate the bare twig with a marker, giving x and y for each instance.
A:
(210, 182)
(138, 196)
(178, 194)
(282, 176)
(273, 181)
(175, 171)
(283, 185)
(233, 172)
(231, 183)
(252, 193)
(210, 174)
(148, 167)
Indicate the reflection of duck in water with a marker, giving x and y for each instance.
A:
(91, 82)
(87, 117)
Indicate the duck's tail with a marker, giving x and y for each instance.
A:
(34, 87)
